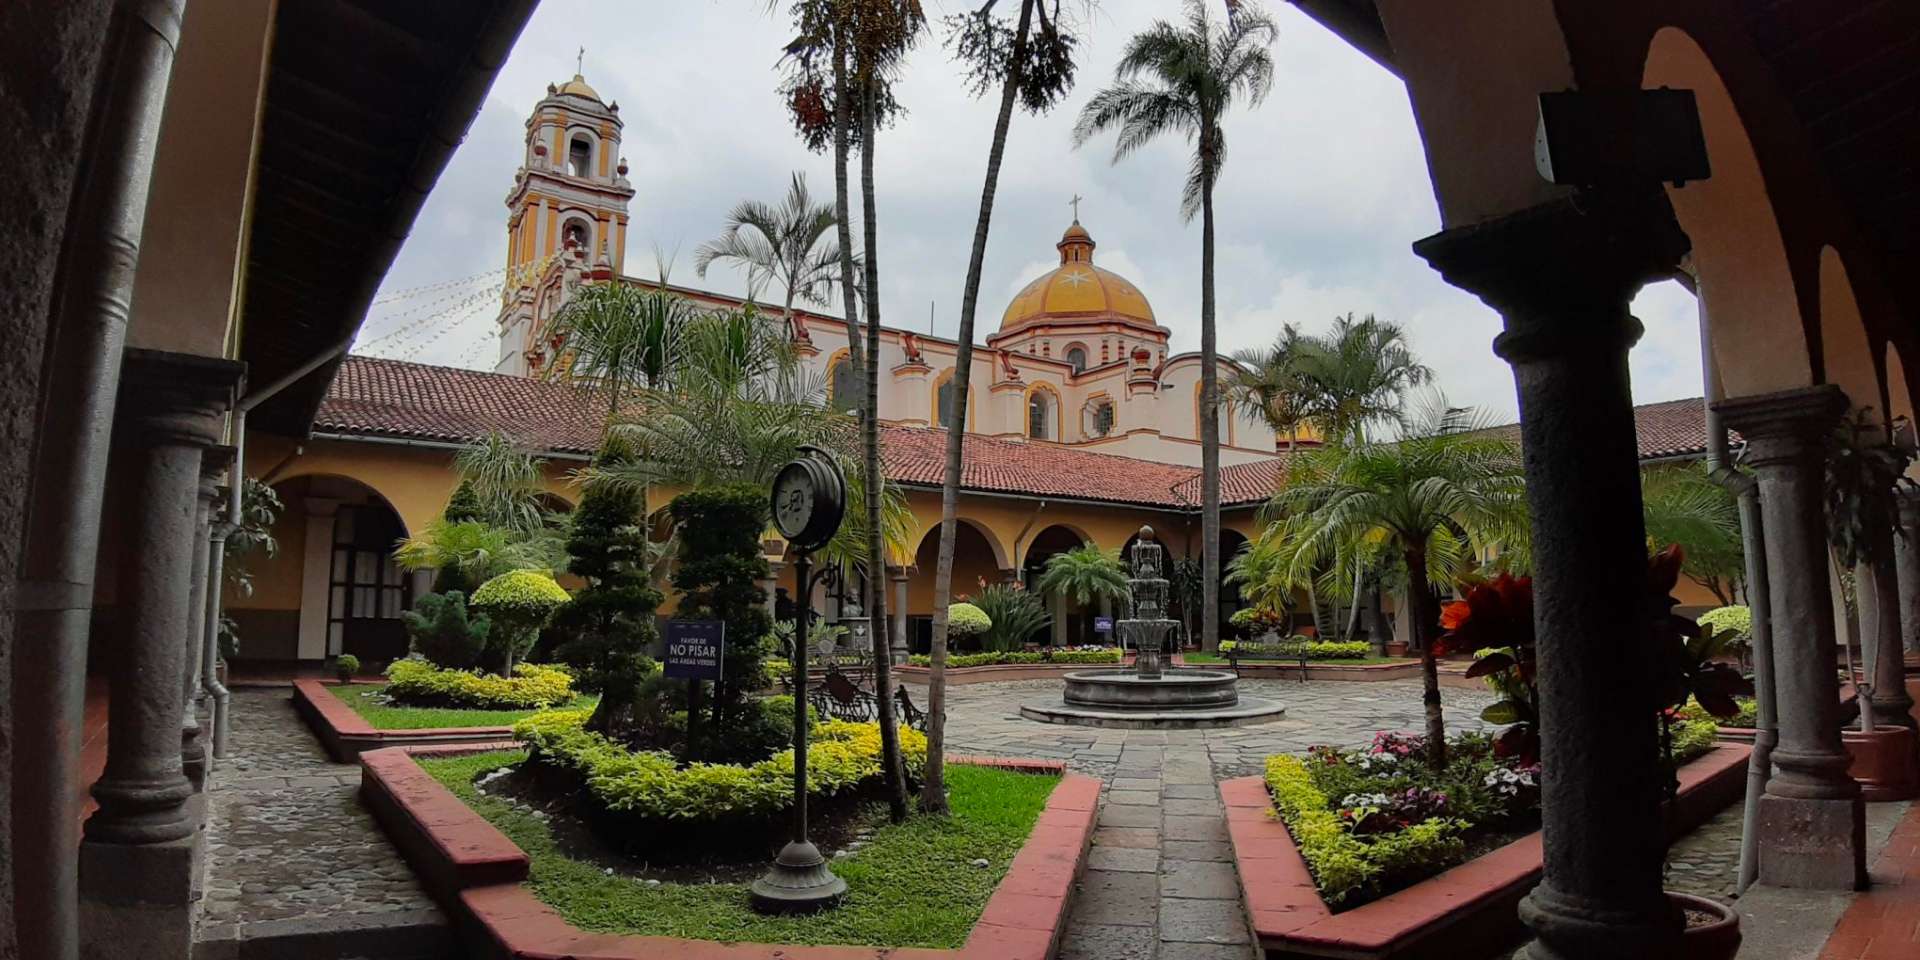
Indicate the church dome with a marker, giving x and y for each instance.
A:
(578, 87)
(1077, 290)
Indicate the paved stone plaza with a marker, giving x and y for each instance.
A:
(297, 869)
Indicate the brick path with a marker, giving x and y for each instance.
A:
(1160, 883)
(1884, 922)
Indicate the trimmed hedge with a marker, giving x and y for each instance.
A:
(967, 620)
(1316, 649)
(414, 682)
(956, 660)
(1342, 863)
(841, 757)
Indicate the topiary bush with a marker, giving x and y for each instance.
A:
(416, 683)
(1316, 649)
(961, 660)
(440, 629)
(346, 665)
(718, 575)
(1736, 619)
(519, 604)
(967, 620)
(606, 629)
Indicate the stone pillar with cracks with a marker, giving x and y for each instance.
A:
(1880, 621)
(897, 575)
(138, 856)
(1562, 276)
(1811, 821)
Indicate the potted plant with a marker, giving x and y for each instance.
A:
(346, 667)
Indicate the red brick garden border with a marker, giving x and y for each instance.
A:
(477, 874)
(347, 734)
(1466, 911)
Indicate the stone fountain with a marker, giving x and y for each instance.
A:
(1152, 693)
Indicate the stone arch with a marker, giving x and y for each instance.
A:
(1072, 622)
(1041, 393)
(1740, 260)
(1052, 539)
(1846, 359)
(977, 555)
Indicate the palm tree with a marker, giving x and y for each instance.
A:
(1268, 386)
(1684, 506)
(617, 337)
(1182, 80)
(787, 244)
(505, 480)
(1086, 574)
(1438, 497)
(1037, 72)
(1357, 376)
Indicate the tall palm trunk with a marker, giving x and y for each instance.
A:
(1209, 410)
(933, 791)
(842, 204)
(1417, 608)
(894, 766)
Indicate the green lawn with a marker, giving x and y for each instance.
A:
(1197, 657)
(913, 885)
(364, 699)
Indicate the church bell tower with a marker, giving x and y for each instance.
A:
(567, 216)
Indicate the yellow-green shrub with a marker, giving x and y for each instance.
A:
(842, 756)
(532, 687)
(1342, 863)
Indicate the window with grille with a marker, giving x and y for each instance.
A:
(1077, 358)
(1039, 417)
(943, 398)
(844, 388)
(1099, 422)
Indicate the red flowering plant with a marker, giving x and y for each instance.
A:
(1496, 620)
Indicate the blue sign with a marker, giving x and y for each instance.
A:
(694, 648)
(1103, 624)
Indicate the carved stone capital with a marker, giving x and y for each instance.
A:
(175, 398)
(1786, 425)
(1561, 274)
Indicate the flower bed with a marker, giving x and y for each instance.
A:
(418, 683)
(1316, 649)
(702, 807)
(1464, 911)
(1370, 822)
(1071, 655)
(346, 732)
(375, 703)
(518, 894)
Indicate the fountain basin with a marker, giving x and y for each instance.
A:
(1175, 689)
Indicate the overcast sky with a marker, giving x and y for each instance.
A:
(1324, 190)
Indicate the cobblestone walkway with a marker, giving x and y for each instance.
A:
(1160, 883)
(295, 867)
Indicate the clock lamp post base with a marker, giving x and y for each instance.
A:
(798, 882)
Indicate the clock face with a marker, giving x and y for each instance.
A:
(793, 498)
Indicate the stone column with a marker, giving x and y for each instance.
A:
(136, 861)
(898, 577)
(1561, 275)
(193, 739)
(1906, 553)
(1880, 623)
(1811, 823)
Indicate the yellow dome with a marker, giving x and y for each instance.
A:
(1077, 290)
(579, 88)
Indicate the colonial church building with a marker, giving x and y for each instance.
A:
(1082, 426)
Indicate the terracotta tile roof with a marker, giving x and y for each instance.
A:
(392, 398)
(1668, 429)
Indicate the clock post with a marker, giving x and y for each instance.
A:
(809, 501)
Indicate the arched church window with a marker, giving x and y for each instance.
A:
(943, 400)
(843, 388)
(1040, 415)
(580, 156)
(575, 232)
(1098, 418)
(1077, 358)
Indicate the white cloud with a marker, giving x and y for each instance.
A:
(1325, 189)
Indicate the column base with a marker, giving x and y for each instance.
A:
(1812, 843)
(1567, 927)
(136, 900)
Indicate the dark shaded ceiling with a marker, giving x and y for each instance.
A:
(1851, 70)
(365, 102)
